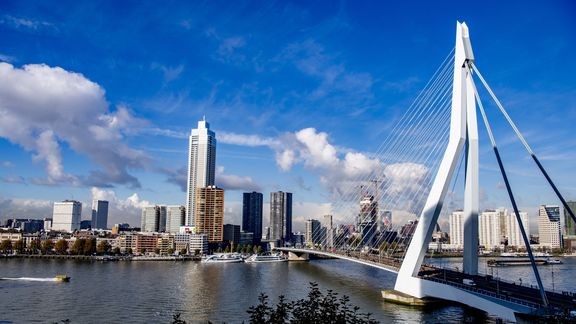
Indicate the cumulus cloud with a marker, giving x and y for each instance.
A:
(128, 209)
(42, 107)
(24, 208)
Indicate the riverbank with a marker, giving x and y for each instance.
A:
(102, 258)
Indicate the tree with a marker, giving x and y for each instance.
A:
(19, 246)
(157, 251)
(116, 251)
(90, 246)
(259, 249)
(129, 251)
(78, 247)
(226, 250)
(103, 247)
(47, 246)
(61, 246)
(35, 245)
(6, 246)
(316, 308)
(170, 251)
(184, 251)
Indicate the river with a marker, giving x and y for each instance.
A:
(151, 292)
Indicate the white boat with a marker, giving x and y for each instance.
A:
(223, 258)
(266, 258)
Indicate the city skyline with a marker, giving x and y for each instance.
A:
(136, 111)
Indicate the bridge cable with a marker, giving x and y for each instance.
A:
(511, 195)
(532, 154)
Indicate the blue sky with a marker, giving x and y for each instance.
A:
(100, 96)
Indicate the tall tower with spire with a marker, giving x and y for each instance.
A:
(201, 165)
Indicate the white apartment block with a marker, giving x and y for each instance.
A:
(513, 232)
(457, 229)
(489, 229)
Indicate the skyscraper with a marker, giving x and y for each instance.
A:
(153, 219)
(568, 221)
(201, 165)
(281, 216)
(252, 215)
(99, 214)
(367, 218)
(66, 216)
(210, 213)
(549, 226)
(329, 231)
(175, 217)
(312, 234)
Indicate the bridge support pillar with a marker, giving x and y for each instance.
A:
(298, 256)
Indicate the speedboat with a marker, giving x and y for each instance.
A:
(266, 258)
(223, 258)
(62, 278)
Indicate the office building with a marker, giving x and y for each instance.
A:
(86, 224)
(99, 214)
(327, 223)
(489, 229)
(201, 165)
(210, 213)
(569, 224)
(281, 216)
(175, 217)
(247, 238)
(66, 216)
(232, 234)
(153, 219)
(312, 233)
(252, 215)
(367, 218)
(549, 228)
(198, 244)
(457, 229)
(513, 232)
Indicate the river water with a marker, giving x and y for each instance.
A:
(151, 292)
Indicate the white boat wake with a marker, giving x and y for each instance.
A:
(30, 279)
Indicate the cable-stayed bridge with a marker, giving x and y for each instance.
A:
(415, 170)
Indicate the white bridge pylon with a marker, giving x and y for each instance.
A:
(463, 137)
(463, 140)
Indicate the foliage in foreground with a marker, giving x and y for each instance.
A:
(316, 308)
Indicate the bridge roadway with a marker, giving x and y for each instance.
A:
(485, 286)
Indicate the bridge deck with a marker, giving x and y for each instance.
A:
(483, 285)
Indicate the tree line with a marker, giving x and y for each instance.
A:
(37, 246)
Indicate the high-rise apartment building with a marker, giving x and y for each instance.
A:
(201, 165)
(549, 226)
(503, 215)
(67, 216)
(513, 232)
(457, 229)
(153, 219)
(252, 215)
(210, 213)
(175, 217)
(99, 214)
(489, 228)
(569, 224)
(281, 216)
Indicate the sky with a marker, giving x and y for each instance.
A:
(97, 98)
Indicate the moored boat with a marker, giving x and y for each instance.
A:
(223, 258)
(266, 258)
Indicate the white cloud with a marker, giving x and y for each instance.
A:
(246, 140)
(42, 107)
(234, 182)
(121, 210)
